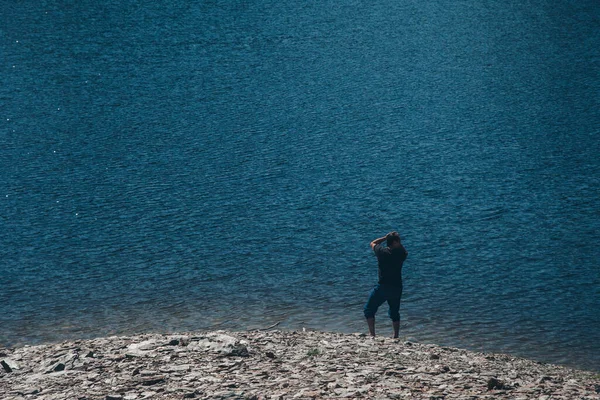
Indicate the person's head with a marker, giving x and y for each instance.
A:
(392, 239)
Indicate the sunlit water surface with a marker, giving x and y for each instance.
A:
(182, 165)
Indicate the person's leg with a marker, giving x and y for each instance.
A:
(371, 325)
(393, 299)
(376, 298)
(396, 326)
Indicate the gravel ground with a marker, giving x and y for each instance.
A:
(277, 365)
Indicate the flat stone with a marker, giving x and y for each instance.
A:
(59, 366)
(175, 368)
(495, 384)
(152, 380)
(147, 372)
(6, 367)
(29, 391)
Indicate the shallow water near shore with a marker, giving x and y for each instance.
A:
(179, 166)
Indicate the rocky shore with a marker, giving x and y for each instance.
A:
(277, 365)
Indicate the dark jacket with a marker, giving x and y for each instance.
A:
(390, 264)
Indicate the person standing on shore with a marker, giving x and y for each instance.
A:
(389, 288)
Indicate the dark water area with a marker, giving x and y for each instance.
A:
(172, 166)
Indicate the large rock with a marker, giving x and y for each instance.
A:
(221, 344)
(149, 347)
(143, 348)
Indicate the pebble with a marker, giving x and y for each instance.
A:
(262, 365)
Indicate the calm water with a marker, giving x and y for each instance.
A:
(193, 164)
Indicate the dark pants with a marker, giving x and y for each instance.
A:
(381, 294)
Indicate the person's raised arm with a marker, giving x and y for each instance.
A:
(378, 241)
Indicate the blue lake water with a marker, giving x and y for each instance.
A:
(182, 165)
